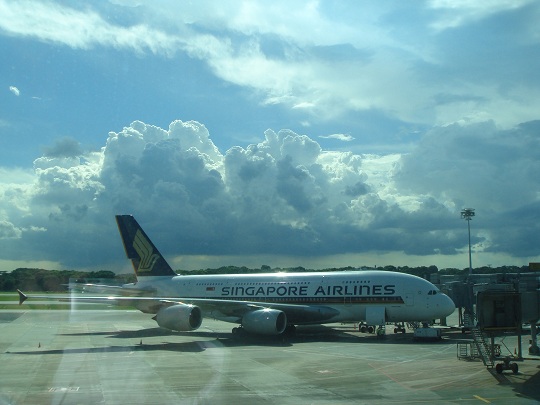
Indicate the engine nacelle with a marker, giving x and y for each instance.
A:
(180, 317)
(265, 321)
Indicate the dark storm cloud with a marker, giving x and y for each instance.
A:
(283, 196)
(494, 171)
(64, 147)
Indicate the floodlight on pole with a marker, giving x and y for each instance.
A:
(467, 214)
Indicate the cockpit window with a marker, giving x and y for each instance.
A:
(432, 292)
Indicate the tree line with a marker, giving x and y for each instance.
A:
(57, 280)
(27, 279)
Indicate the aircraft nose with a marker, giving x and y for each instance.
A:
(447, 305)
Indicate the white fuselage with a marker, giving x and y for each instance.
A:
(354, 295)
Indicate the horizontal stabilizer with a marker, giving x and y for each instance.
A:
(22, 297)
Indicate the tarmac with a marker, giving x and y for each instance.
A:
(121, 357)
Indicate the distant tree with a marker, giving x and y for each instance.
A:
(7, 282)
(101, 274)
(31, 279)
(450, 271)
(50, 282)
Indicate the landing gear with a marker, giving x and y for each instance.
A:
(400, 327)
(240, 332)
(506, 365)
(363, 328)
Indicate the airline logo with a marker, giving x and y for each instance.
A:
(302, 291)
(143, 247)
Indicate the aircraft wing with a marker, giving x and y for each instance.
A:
(211, 307)
(295, 313)
(109, 289)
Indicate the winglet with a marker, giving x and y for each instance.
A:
(22, 297)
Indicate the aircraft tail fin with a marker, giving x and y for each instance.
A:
(146, 259)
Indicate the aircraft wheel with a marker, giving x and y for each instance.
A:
(499, 368)
(396, 330)
(363, 329)
(514, 368)
(370, 329)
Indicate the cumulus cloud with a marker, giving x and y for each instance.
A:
(14, 90)
(487, 168)
(65, 147)
(341, 137)
(282, 196)
(9, 231)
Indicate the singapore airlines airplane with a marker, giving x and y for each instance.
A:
(267, 304)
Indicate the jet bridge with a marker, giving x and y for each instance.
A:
(499, 312)
(530, 306)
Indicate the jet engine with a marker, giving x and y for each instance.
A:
(180, 317)
(265, 321)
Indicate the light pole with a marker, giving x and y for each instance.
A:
(467, 214)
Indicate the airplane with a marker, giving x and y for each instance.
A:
(265, 304)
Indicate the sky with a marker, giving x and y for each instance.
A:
(308, 133)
